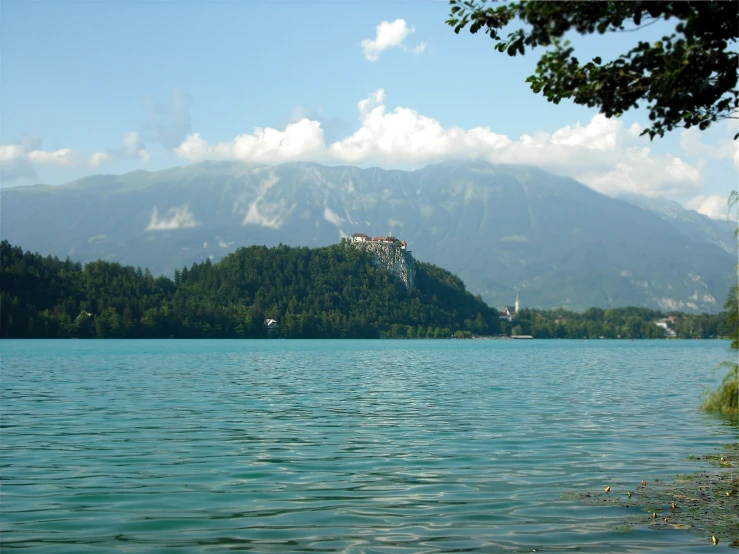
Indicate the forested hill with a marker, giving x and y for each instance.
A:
(330, 292)
(557, 241)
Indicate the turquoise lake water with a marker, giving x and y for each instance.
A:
(345, 446)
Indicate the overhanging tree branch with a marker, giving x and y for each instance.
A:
(687, 79)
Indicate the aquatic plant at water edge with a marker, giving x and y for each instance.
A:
(725, 399)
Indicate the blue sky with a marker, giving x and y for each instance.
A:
(108, 87)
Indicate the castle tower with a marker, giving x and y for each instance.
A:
(517, 305)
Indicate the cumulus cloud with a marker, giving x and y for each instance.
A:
(299, 141)
(98, 159)
(179, 217)
(390, 34)
(333, 127)
(168, 123)
(18, 161)
(714, 206)
(131, 146)
(691, 142)
(64, 157)
(601, 153)
(14, 164)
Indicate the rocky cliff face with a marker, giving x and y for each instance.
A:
(393, 258)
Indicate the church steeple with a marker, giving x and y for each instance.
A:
(517, 305)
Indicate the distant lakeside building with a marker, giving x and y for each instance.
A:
(666, 324)
(509, 312)
(271, 326)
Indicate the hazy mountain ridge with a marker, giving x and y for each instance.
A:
(497, 227)
(698, 226)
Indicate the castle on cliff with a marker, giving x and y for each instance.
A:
(390, 253)
(361, 237)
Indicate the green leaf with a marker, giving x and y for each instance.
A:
(667, 75)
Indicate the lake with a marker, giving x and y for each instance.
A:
(346, 446)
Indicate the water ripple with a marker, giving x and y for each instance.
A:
(343, 446)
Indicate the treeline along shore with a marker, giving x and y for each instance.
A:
(617, 323)
(286, 292)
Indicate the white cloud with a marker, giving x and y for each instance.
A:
(714, 206)
(65, 157)
(14, 164)
(299, 141)
(420, 49)
(390, 35)
(98, 158)
(637, 171)
(131, 146)
(333, 127)
(10, 153)
(179, 217)
(404, 136)
(691, 142)
(18, 161)
(601, 153)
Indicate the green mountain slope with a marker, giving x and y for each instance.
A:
(500, 228)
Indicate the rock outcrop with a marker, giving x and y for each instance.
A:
(392, 257)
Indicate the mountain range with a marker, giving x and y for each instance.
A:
(500, 228)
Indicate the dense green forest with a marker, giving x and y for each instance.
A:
(617, 323)
(331, 292)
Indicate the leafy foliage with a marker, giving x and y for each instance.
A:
(328, 292)
(688, 78)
